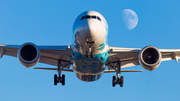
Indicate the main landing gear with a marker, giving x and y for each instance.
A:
(59, 78)
(117, 80)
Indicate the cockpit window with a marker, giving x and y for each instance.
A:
(99, 18)
(82, 18)
(91, 17)
(87, 16)
(94, 17)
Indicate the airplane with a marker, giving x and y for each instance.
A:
(89, 56)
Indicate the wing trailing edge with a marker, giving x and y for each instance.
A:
(112, 71)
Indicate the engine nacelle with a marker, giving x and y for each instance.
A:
(150, 58)
(28, 54)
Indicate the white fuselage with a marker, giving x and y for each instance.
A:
(90, 31)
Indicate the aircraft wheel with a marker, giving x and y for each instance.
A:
(63, 79)
(55, 79)
(121, 81)
(113, 81)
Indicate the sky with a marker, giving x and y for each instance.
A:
(49, 22)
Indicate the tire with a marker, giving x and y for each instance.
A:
(55, 79)
(122, 81)
(63, 79)
(113, 83)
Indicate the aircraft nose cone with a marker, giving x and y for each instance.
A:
(90, 27)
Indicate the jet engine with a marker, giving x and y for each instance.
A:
(150, 58)
(28, 54)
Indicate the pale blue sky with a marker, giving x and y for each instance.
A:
(49, 22)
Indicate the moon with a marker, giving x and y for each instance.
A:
(130, 18)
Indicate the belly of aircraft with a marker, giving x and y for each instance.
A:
(88, 69)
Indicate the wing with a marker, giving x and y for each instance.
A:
(129, 56)
(48, 54)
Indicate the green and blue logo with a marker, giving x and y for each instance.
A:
(102, 46)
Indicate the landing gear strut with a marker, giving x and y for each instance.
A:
(59, 78)
(89, 52)
(117, 80)
(89, 49)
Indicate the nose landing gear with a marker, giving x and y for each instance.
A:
(89, 49)
(89, 53)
